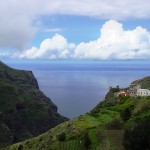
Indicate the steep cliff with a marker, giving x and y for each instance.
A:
(24, 110)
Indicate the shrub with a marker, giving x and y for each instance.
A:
(20, 106)
(138, 137)
(62, 137)
(20, 147)
(87, 141)
(114, 124)
(125, 114)
(5, 135)
(100, 133)
(1, 118)
(142, 106)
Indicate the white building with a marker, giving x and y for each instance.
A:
(143, 92)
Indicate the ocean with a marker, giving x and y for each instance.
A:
(76, 87)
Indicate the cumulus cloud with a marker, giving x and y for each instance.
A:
(55, 48)
(19, 18)
(113, 43)
(116, 43)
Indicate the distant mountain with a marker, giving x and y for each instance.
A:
(24, 110)
(116, 123)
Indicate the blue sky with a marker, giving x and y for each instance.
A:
(87, 29)
(75, 28)
(81, 28)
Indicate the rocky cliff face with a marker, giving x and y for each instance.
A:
(24, 110)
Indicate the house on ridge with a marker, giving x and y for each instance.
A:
(133, 88)
(143, 92)
(136, 90)
(122, 93)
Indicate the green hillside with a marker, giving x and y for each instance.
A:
(24, 110)
(114, 124)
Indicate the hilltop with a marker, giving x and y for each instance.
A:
(145, 82)
(24, 110)
(116, 123)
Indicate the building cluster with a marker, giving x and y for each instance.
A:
(134, 90)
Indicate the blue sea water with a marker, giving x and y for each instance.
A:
(76, 87)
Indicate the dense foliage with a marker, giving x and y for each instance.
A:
(87, 140)
(62, 137)
(138, 137)
(24, 110)
(125, 114)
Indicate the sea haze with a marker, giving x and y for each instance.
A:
(76, 87)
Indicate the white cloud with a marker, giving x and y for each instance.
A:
(55, 48)
(107, 9)
(17, 17)
(114, 43)
(53, 30)
(17, 34)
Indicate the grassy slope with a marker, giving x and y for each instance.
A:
(97, 123)
(74, 129)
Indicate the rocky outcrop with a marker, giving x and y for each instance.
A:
(24, 110)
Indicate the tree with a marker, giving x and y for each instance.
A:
(5, 135)
(20, 106)
(114, 124)
(125, 114)
(87, 141)
(100, 133)
(62, 137)
(1, 118)
(138, 137)
(117, 87)
(20, 147)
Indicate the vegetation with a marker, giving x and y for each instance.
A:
(113, 127)
(125, 114)
(20, 147)
(114, 124)
(87, 141)
(138, 137)
(24, 110)
(62, 137)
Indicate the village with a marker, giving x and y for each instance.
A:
(134, 90)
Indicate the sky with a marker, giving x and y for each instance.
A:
(75, 29)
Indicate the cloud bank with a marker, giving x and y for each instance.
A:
(114, 43)
(19, 18)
